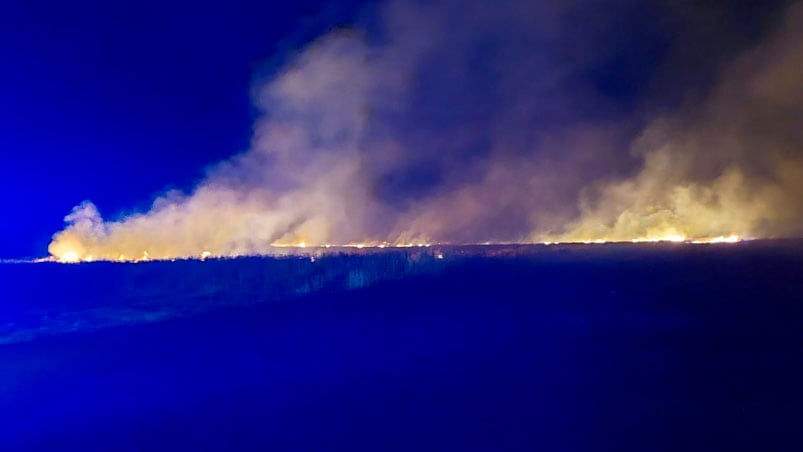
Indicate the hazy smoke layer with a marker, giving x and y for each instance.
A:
(731, 164)
(505, 120)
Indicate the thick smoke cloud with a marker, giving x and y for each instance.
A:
(478, 121)
(729, 165)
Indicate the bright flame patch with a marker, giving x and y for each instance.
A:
(69, 257)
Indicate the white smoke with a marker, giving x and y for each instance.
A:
(471, 122)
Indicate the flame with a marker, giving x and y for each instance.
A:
(73, 256)
(357, 245)
(733, 238)
(672, 238)
(69, 257)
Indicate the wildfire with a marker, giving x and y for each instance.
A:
(672, 238)
(71, 256)
(733, 238)
(676, 238)
(357, 245)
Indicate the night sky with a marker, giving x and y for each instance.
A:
(117, 102)
(114, 101)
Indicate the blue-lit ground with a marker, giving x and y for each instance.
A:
(614, 347)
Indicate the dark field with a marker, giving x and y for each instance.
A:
(614, 347)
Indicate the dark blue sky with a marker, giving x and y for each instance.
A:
(113, 101)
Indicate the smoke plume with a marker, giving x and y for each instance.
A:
(486, 121)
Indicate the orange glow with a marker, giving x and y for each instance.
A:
(72, 256)
(69, 257)
(733, 238)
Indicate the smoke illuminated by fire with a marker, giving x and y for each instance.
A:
(402, 139)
